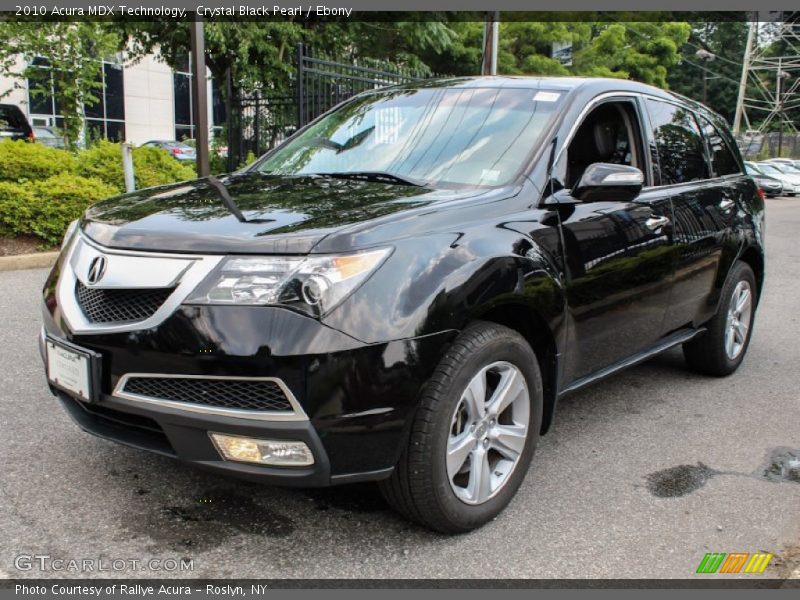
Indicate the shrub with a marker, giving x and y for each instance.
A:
(16, 202)
(45, 208)
(62, 199)
(152, 166)
(217, 164)
(102, 161)
(248, 160)
(42, 189)
(22, 161)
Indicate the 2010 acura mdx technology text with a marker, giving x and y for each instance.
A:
(403, 290)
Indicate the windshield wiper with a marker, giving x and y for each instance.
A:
(229, 203)
(379, 176)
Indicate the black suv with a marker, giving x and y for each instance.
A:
(13, 124)
(403, 290)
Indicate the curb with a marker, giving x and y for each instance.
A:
(27, 261)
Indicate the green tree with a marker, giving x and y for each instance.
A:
(261, 54)
(256, 54)
(725, 41)
(73, 51)
(642, 51)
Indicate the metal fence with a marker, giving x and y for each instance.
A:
(322, 83)
(259, 120)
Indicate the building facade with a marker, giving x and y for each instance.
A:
(138, 102)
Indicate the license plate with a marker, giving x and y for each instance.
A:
(70, 369)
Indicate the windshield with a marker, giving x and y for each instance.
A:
(439, 137)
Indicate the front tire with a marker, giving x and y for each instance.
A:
(720, 350)
(474, 433)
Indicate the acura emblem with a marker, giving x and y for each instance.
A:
(97, 268)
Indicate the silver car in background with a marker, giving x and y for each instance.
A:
(790, 181)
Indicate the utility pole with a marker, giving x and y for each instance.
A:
(706, 57)
(781, 75)
(770, 82)
(748, 51)
(199, 95)
(491, 32)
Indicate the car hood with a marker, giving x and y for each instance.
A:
(251, 213)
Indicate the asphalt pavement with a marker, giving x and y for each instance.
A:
(640, 476)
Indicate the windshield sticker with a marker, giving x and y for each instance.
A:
(490, 175)
(387, 125)
(546, 96)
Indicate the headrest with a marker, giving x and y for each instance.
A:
(596, 140)
(605, 139)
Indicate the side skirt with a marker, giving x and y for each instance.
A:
(673, 339)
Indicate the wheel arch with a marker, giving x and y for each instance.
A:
(526, 321)
(753, 257)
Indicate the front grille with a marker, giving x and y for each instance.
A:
(236, 394)
(119, 306)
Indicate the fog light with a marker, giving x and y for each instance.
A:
(279, 453)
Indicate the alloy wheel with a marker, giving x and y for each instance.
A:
(740, 312)
(488, 432)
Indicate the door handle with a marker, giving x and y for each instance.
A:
(726, 205)
(655, 223)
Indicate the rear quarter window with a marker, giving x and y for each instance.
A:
(723, 161)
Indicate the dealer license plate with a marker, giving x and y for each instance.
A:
(69, 369)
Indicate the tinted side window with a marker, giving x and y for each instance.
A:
(722, 159)
(681, 155)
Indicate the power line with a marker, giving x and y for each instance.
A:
(707, 70)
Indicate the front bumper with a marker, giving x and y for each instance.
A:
(357, 400)
(184, 435)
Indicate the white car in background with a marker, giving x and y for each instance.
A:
(790, 181)
(785, 161)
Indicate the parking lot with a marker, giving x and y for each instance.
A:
(640, 476)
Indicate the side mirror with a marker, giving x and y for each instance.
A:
(608, 182)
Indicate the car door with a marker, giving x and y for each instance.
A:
(704, 207)
(619, 263)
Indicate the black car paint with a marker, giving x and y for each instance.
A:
(526, 255)
(13, 124)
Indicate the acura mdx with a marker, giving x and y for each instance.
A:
(403, 290)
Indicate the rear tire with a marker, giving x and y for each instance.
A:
(481, 407)
(720, 350)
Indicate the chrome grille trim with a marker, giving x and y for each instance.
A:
(296, 414)
(191, 269)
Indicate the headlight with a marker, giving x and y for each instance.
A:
(314, 284)
(71, 229)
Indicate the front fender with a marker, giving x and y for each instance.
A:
(440, 282)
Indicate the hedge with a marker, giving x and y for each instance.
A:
(42, 189)
(45, 208)
(22, 161)
(152, 166)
